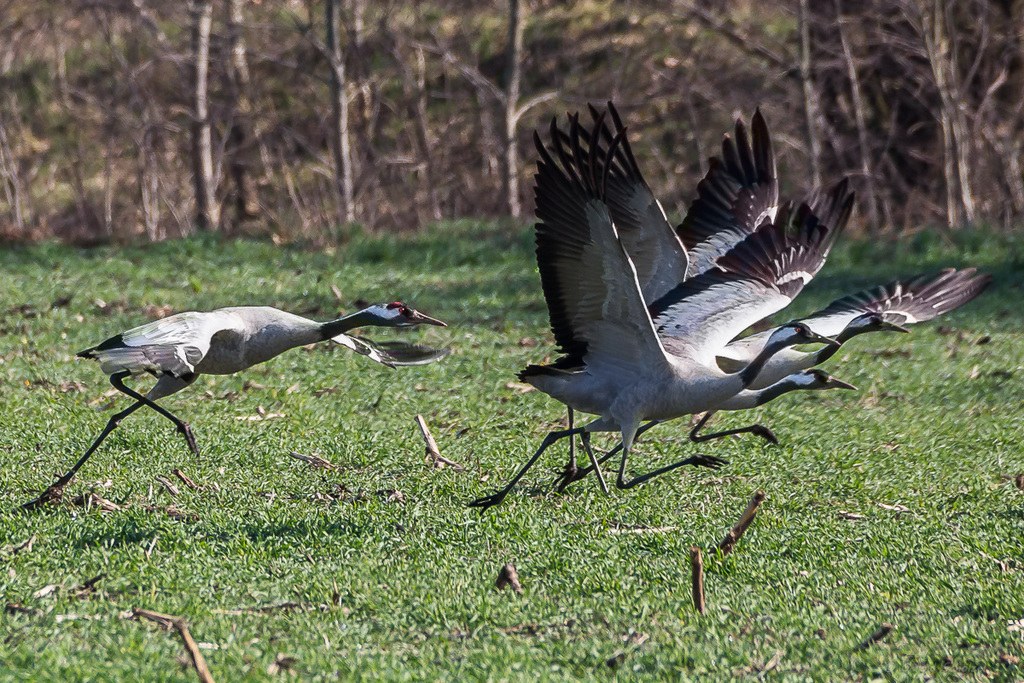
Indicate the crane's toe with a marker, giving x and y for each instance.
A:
(570, 474)
(190, 438)
(765, 433)
(488, 501)
(709, 461)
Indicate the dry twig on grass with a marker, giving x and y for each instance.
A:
(432, 451)
(96, 501)
(697, 575)
(883, 631)
(508, 576)
(18, 608)
(178, 624)
(733, 537)
(619, 657)
(184, 479)
(167, 484)
(314, 460)
(26, 546)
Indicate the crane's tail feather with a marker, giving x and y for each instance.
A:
(392, 354)
(116, 356)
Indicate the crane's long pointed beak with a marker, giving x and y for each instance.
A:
(840, 384)
(426, 319)
(825, 340)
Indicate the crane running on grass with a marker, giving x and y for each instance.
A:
(734, 200)
(739, 193)
(876, 309)
(178, 349)
(628, 360)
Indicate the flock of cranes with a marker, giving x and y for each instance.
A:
(647, 316)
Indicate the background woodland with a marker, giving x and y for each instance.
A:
(128, 120)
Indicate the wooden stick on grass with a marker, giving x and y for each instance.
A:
(184, 479)
(508, 576)
(178, 624)
(733, 537)
(169, 485)
(877, 636)
(432, 450)
(697, 567)
(314, 460)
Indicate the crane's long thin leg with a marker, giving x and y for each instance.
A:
(694, 436)
(757, 429)
(698, 460)
(497, 497)
(594, 464)
(572, 441)
(563, 481)
(571, 468)
(54, 490)
(117, 379)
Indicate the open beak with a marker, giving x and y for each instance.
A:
(421, 319)
(840, 384)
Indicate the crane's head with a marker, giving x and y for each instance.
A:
(872, 322)
(814, 379)
(798, 332)
(397, 314)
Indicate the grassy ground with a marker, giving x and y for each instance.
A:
(889, 505)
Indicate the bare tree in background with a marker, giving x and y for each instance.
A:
(207, 209)
(935, 29)
(810, 95)
(870, 196)
(241, 135)
(513, 80)
(408, 113)
(10, 178)
(341, 141)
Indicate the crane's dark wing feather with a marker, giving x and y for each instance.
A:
(596, 308)
(759, 276)
(391, 353)
(170, 346)
(738, 195)
(903, 302)
(603, 158)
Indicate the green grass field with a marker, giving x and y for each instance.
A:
(894, 504)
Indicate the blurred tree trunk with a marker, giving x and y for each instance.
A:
(11, 180)
(810, 95)
(340, 139)
(207, 211)
(862, 130)
(935, 30)
(513, 81)
(241, 136)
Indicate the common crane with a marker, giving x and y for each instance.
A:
(628, 360)
(178, 349)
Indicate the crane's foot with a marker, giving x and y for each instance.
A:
(765, 433)
(54, 493)
(709, 461)
(190, 438)
(489, 501)
(570, 474)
